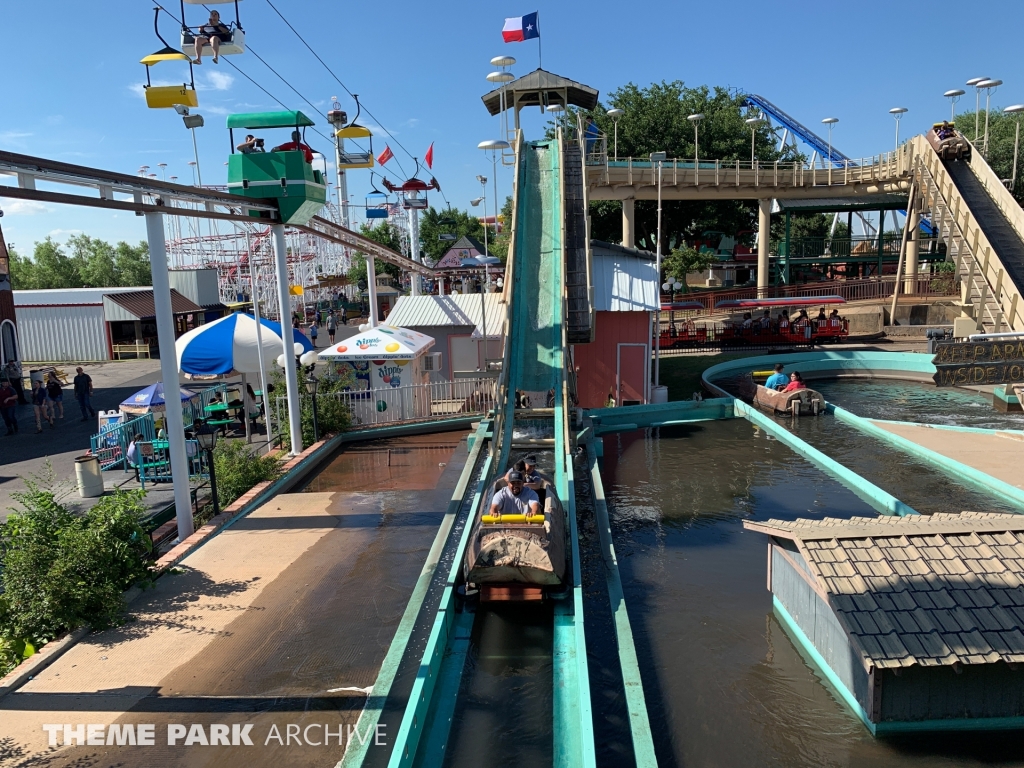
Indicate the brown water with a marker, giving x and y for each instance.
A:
(725, 685)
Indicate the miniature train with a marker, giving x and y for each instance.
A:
(686, 334)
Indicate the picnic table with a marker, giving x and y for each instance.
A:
(218, 413)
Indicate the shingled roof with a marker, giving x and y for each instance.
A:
(930, 590)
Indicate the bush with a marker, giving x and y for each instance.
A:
(943, 277)
(238, 469)
(62, 571)
(332, 415)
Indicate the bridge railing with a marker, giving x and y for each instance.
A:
(851, 290)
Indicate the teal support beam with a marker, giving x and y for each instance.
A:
(880, 500)
(636, 703)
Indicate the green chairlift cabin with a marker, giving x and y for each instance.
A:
(285, 176)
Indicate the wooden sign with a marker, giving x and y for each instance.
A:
(961, 364)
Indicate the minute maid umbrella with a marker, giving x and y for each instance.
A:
(228, 345)
(152, 399)
(385, 342)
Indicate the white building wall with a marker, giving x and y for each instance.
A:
(62, 333)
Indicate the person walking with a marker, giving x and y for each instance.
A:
(313, 331)
(83, 393)
(9, 407)
(332, 325)
(41, 405)
(55, 393)
(13, 371)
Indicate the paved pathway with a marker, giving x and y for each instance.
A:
(1000, 454)
(299, 598)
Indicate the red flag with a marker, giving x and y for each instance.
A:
(384, 156)
(429, 157)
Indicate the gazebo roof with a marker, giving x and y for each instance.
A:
(542, 87)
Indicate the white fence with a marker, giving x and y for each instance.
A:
(416, 402)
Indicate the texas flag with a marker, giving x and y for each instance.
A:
(521, 28)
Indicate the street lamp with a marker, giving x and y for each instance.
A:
(753, 122)
(494, 146)
(312, 382)
(973, 82)
(207, 437)
(1016, 109)
(989, 86)
(695, 119)
(830, 121)
(897, 113)
(659, 158)
(954, 97)
(615, 114)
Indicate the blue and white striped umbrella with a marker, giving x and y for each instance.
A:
(228, 345)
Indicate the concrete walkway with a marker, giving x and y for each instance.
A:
(999, 454)
(258, 628)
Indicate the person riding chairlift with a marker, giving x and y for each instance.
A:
(212, 33)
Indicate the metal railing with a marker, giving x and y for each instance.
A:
(411, 402)
(156, 468)
(851, 290)
(110, 445)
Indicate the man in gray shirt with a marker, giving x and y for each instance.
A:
(515, 498)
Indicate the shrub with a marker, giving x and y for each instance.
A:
(332, 415)
(944, 277)
(238, 469)
(61, 571)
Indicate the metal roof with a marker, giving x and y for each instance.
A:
(457, 310)
(138, 305)
(876, 202)
(65, 296)
(283, 119)
(625, 279)
(929, 590)
(541, 86)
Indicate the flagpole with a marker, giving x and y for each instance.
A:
(540, 57)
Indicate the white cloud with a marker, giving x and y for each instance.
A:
(215, 81)
(214, 110)
(25, 208)
(56, 233)
(13, 136)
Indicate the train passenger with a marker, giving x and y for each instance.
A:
(766, 319)
(777, 380)
(212, 33)
(802, 319)
(748, 321)
(796, 381)
(515, 498)
(821, 319)
(834, 320)
(784, 321)
(296, 144)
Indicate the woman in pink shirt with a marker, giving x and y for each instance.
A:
(796, 381)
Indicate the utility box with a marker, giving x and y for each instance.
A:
(964, 327)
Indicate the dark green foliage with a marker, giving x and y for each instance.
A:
(332, 414)
(92, 263)
(238, 469)
(387, 235)
(1001, 131)
(458, 223)
(682, 261)
(62, 571)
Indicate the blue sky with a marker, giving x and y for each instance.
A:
(421, 67)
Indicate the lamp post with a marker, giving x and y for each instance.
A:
(207, 437)
(830, 121)
(302, 359)
(753, 122)
(973, 82)
(897, 113)
(615, 114)
(659, 158)
(494, 146)
(312, 382)
(953, 96)
(989, 86)
(695, 119)
(483, 198)
(1016, 109)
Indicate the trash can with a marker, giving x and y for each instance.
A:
(659, 394)
(89, 476)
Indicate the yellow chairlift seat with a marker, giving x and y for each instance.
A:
(355, 159)
(167, 96)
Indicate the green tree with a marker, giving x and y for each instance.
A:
(502, 242)
(684, 260)
(654, 120)
(449, 221)
(54, 268)
(1001, 132)
(23, 271)
(131, 262)
(387, 235)
(95, 259)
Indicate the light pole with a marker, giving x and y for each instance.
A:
(989, 86)
(615, 114)
(954, 97)
(1016, 109)
(897, 113)
(312, 382)
(695, 119)
(475, 202)
(753, 122)
(659, 158)
(830, 121)
(973, 82)
(494, 146)
(207, 437)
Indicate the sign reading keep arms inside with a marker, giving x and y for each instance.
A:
(975, 363)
